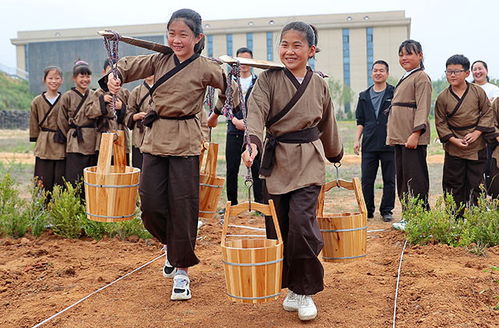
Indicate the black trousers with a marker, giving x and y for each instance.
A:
(462, 177)
(233, 151)
(169, 194)
(50, 172)
(75, 163)
(296, 212)
(137, 157)
(492, 173)
(369, 166)
(412, 173)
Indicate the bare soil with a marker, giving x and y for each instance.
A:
(440, 286)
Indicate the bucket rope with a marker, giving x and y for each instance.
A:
(112, 44)
(97, 291)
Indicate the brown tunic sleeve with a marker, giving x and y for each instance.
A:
(444, 133)
(330, 138)
(486, 122)
(133, 68)
(131, 109)
(423, 102)
(34, 120)
(258, 110)
(63, 115)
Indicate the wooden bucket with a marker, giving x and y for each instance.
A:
(111, 191)
(210, 186)
(345, 234)
(252, 265)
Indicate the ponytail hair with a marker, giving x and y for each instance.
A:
(412, 46)
(309, 31)
(484, 65)
(193, 20)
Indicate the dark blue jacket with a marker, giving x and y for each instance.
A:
(231, 128)
(374, 133)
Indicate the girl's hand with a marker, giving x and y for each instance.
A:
(113, 83)
(239, 124)
(139, 116)
(460, 143)
(471, 137)
(108, 98)
(119, 104)
(412, 141)
(213, 120)
(247, 158)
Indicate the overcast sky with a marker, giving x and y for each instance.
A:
(444, 27)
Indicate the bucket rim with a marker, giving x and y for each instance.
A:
(268, 247)
(135, 170)
(339, 215)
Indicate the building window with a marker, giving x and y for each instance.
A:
(370, 54)
(270, 46)
(346, 62)
(229, 44)
(210, 45)
(249, 40)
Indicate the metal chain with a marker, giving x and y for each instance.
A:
(111, 43)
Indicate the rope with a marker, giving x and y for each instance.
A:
(397, 286)
(95, 292)
(111, 43)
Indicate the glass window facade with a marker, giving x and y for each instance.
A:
(270, 46)
(370, 54)
(346, 62)
(249, 40)
(229, 44)
(210, 45)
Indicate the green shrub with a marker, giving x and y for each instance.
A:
(124, 229)
(35, 210)
(66, 211)
(93, 229)
(13, 219)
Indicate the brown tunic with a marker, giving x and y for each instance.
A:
(134, 100)
(495, 107)
(181, 95)
(42, 127)
(67, 117)
(295, 165)
(474, 113)
(105, 118)
(415, 90)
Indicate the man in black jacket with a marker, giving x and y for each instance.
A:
(371, 114)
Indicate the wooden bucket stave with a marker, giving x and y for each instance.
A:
(344, 234)
(111, 191)
(253, 266)
(210, 186)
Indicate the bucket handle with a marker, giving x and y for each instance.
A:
(267, 210)
(350, 185)
(210, 167)
(112, 143)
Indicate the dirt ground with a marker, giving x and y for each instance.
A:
(440, 286)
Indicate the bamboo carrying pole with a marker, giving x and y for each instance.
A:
(111, 191)
(138, 42)
(344, 234)
(253, 267)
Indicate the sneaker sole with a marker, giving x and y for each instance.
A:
(306, 318)
(169, 275)
(177, 297)
(290, 308)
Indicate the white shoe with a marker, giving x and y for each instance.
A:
(399, 225)
(169, 270)
(306, 308)
(181, 288)
(200, 224)
(290, 302)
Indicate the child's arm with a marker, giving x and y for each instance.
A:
(131, 68)
(34, 128)
(133, 113)
(333, 148)
(486, 122)
(63, 119)
(421, 112)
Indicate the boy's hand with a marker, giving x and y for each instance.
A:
(412, 141)
(356, 147)
(239, 124)
(247, 159)
(459, 142)
(113, 83)
(139, 116)
(108, 98)
(213, 120)
(471, 137)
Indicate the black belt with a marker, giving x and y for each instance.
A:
(298, 137)
(77, 132)
(403, 104)
(47, 129)
(152, 116)
(461, 128)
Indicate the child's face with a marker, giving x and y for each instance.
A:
(410, 61)
(479, 73)
(294, 50)
(456, 75)
(82, 81)
(53, 81)
(182, 39)
(379, 73)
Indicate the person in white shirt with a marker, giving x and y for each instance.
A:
(480, 72)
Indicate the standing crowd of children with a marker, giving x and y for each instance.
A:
(292, 132)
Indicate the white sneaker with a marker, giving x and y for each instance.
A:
(399, 225)
(291, 301)
(181, 290)
(306, 308)
(169, 270)
(200, 224)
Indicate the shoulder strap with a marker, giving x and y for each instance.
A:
(50, 109)
(301, 89)
(459, 100)
(171, 73)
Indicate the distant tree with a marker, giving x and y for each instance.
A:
(341, 95)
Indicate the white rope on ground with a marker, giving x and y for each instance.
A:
(397, 286)
(98, 290)
(246, 227)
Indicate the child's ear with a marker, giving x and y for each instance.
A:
(467, 73)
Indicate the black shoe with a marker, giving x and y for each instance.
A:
(370, 215)
(387, 217)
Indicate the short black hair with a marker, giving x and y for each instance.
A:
(107, 63)
(458, 60)
(382, 62)
(81, 67)
(412, 46)
(243, 50)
